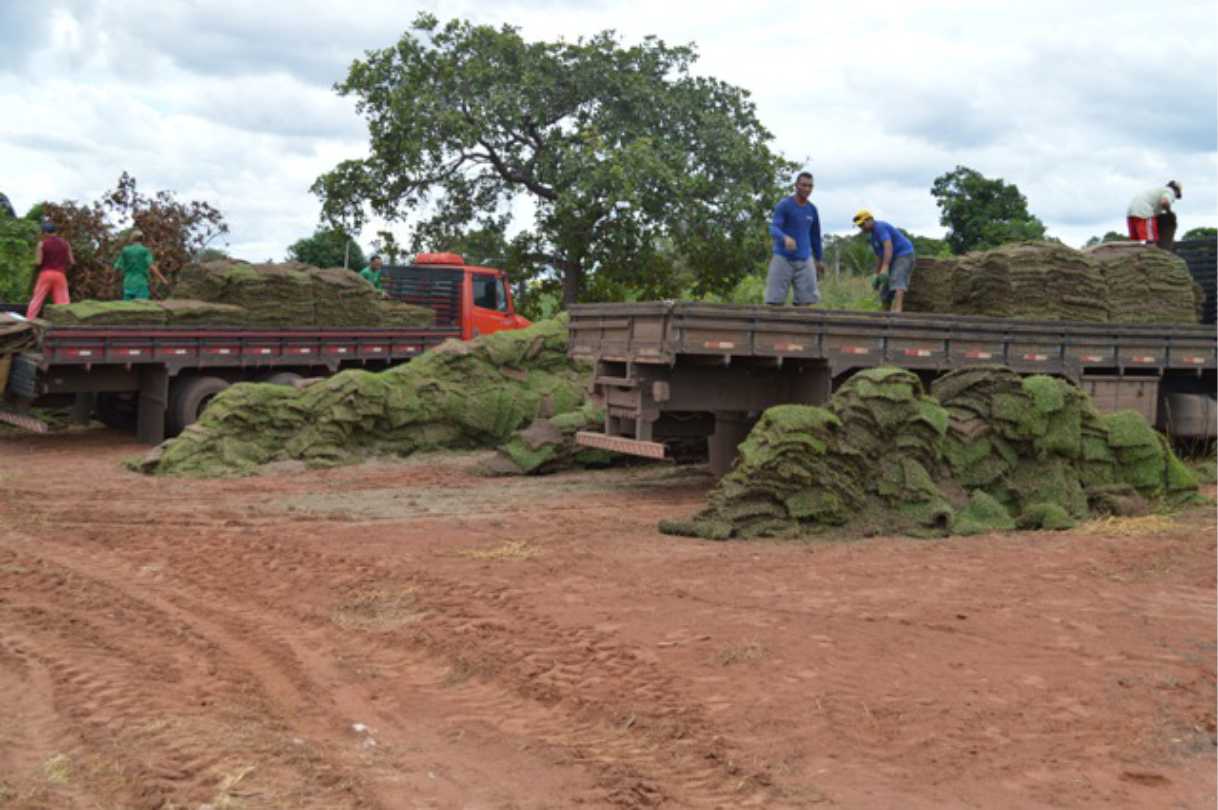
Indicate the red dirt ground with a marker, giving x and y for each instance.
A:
(410, 635)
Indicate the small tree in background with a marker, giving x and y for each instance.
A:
(1111, 236)
(1200, 234)
(982, 213)
(328, 247)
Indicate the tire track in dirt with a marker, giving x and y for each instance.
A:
(103, 684)
(573, 690)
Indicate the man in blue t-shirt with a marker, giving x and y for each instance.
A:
(895, 254)
(795, 227)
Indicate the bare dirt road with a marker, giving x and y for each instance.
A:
(410, 635)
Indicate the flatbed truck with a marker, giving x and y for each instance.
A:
(158, 379)
(672, 372)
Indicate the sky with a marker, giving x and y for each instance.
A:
(1080, 104)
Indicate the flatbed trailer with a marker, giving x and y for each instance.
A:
(158, 379)
(161, 378)
(671, 372)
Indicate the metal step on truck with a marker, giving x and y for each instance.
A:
(159, 379)
(672, 373)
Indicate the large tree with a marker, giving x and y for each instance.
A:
(981, 213)
(328, 247)
(621, 150)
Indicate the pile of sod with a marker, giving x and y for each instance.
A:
(229, 293)
(17, 335)
(457, 396)
(1030, 281)
(1045, 281)
(987, 451)
(1148, 285)
(930, 285)
(548, 445)
(869, 459)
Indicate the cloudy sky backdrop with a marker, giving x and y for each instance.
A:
(1081, 104)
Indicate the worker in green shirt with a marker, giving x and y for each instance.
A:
(372, 273)
(136, 262)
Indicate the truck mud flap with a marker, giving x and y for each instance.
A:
(23, 377)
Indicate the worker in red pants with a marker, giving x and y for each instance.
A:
(1144, 212)
(52, 257)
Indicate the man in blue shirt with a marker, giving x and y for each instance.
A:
(895, 254)
(795, 227)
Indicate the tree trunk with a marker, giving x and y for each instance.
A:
(572, 274)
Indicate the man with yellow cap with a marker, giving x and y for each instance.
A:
(895, 254)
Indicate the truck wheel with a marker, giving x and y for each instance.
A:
(117, 411)
(283, 378)
(189, 400)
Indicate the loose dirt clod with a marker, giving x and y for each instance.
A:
(458, 395)
(989, 451)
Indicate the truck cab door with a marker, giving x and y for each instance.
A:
(492, 307)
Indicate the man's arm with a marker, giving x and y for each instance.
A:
(776, 227)
(38, 256)
(886, 259)
(71, 256)
(156, 271)
(817, 248)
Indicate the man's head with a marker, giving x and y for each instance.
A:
(136, 235)
(803, 185)
(864, 220)
(1175, 186)
(48, 226)
(375, 263)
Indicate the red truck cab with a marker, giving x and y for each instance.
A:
(478, 299)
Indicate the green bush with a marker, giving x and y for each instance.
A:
(18, 238)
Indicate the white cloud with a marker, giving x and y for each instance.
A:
(1080, 104)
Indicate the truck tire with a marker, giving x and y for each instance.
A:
(189, 399)
(283, 378)
(116, 411)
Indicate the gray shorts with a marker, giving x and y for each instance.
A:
(784, 274)
(899, 272)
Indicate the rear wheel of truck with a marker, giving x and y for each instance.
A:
(189, 399)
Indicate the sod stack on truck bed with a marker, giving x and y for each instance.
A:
(1045, 281)
(229, 293)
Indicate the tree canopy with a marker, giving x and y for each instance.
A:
(328, 247)
(175, 232)
(619, 150)
(1199, 233)
(982, 213)
(1110, 236)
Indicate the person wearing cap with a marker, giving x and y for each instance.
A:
(52, 258)
(136, 262)
(895, 255)
(372, 273)
(1144, 211)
